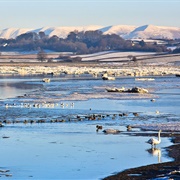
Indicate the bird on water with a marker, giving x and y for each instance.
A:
(154, 141)
(98, 127)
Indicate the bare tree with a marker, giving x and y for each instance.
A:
(41, 56)
(134, 58)
(130, 57)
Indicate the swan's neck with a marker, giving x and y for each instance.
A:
(159, 137)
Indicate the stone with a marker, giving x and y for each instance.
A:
(46, 80)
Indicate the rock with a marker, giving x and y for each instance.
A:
(138, 90)
(4, 170)
(116, 89)
(1, 125)
(175, 172)
(157, 112)
(46, 80)
(111, 78)
(106, 77)
(5, 137)
(133, 90)
(111, 131)
(144, 79)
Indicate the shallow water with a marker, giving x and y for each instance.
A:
(73, 149)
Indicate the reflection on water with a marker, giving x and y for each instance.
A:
(11, 88)
(9, 92)
(71, 147)
(155, 152)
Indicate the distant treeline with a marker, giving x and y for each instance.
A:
(177, 50)
(77, 42)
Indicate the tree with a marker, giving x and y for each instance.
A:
(130, 57)
(134, 58)
(42, 34)
(177, 50)
(77, 42)
(41, 56)
(30, 36)
(142, 43)
(72, 36)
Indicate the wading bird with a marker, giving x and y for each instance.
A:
(154, 141)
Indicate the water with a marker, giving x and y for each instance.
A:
(73, 149)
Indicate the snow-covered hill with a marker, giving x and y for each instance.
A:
(155, 32)
(125, 31)
(11, 33)
(121, 30)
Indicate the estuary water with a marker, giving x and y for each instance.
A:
(49, 132)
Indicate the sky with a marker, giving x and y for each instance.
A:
(57, 13)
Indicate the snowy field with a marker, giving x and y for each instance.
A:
(104, 56)
(100, 56)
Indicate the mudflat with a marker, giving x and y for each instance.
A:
(168, 170)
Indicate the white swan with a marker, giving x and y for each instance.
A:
(154, 141)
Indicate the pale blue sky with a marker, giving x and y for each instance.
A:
(56, 13)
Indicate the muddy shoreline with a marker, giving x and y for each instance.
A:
(161, 170)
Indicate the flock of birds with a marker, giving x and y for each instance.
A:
(152, 141)
(40, 105)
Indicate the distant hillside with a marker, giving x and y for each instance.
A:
(61, 32)
(125, 31)
(154, 32)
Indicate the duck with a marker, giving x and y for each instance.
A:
(111, 131)
(135, 114)
(154, 141)
(153, 100)
(129, 128)
(98, 127)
